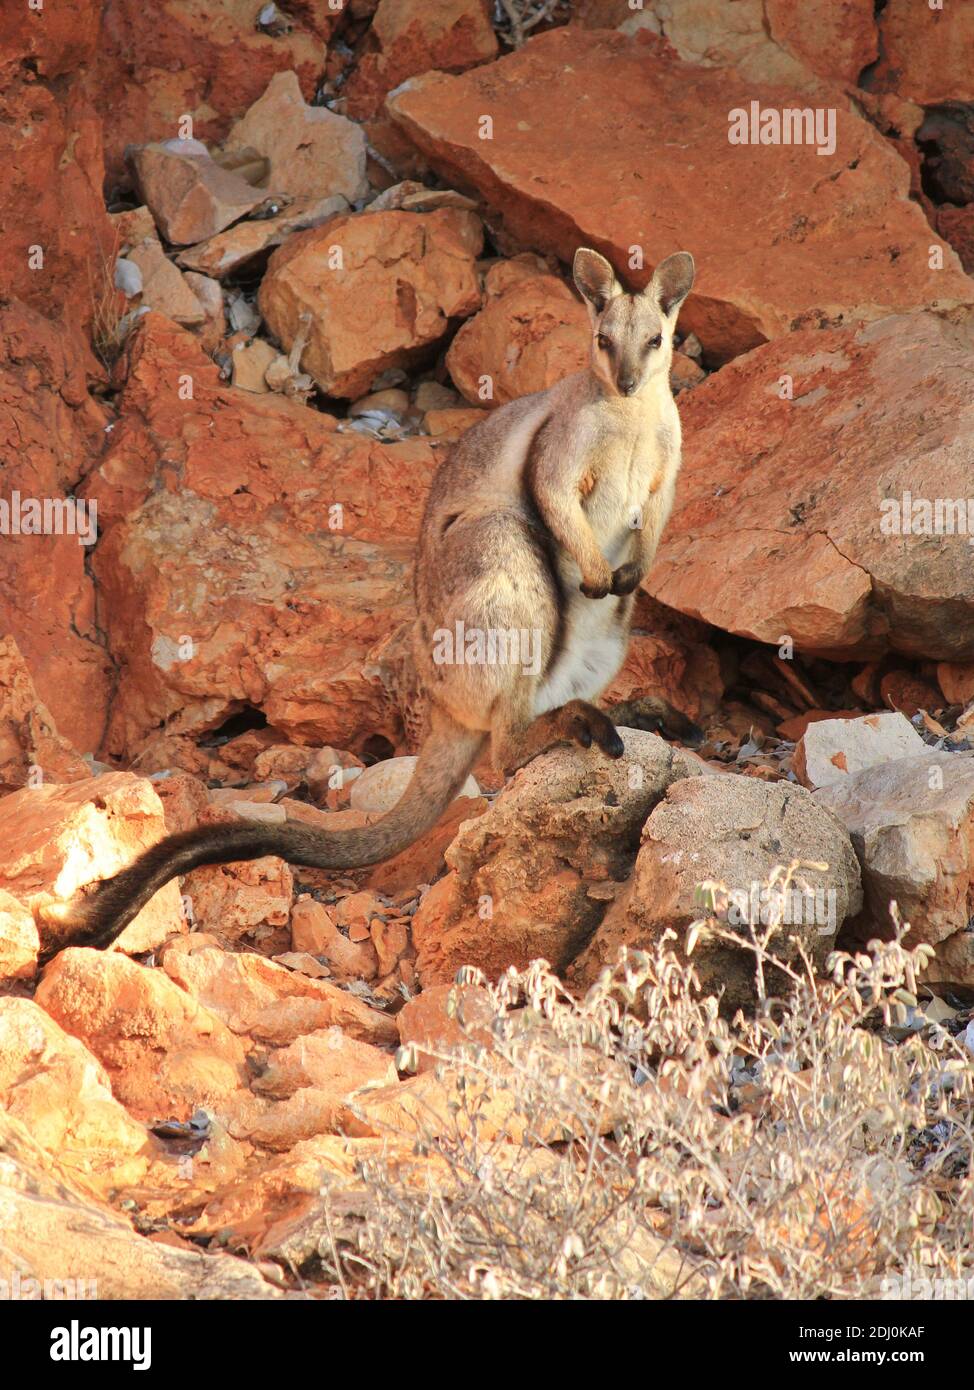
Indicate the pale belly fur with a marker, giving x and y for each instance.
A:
(595, 643)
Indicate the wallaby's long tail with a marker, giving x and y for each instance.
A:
(444, 762)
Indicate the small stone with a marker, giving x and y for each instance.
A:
(250, 362)
(832, 750)
(392, 400)
(313, 152)
(380, 787)
(191, 198)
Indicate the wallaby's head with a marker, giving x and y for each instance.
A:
(632, 334)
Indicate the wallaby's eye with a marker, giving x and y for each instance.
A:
(655, 342)
(603, 342)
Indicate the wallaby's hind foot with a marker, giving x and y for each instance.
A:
(515, 744)
(656, 715)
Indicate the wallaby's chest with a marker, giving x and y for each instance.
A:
(627, 458)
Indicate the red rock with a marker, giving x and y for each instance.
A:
(51, 1083)
(402, 277)
(956, 225)
(287, 762)
(31, 749)
(57, 1231)
(233, 899)
(54, 43)
(391, 940)
(425, 860)
(166, 1053)
(50, 429)
(57, 839)
(51, 149)
(412, 36)
(198, 631)
(448, 425)
(530, 333)
(430, 395)
(313, 152)
(836, 38)
(184, 799)
(901, 690)
(265, 1000)
(243, 245)
(190, 196)
(801, 535)
(331, 772)
(164, 287)
(432, 1105)
(329, 1061)
(457, 1103)
(358, 909)
(956, 680)
(312, 929)
(305, 963)
(754, 281)
(19, 942)
(175, 60)
(444, 1017)
(54, 1228)
(529, 878)
(926, 52)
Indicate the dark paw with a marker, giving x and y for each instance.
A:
(596, 590)
(589, 725)
(694, 736)
(611, 741)
(657, 716)
(626, 579)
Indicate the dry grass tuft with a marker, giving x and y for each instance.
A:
(653, 1148)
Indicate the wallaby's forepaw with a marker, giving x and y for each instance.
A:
(587, 725)
(626, 579)
(600, 589)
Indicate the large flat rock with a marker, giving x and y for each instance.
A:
(584, 127)
(793, 503)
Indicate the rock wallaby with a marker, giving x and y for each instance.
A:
(538, 529)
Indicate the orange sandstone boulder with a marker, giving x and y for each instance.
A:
(555, 173)
(381, 289)
(826, 480)
(531, 332)
(412, 36)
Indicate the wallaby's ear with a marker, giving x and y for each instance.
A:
(595, 278)
(672, 281)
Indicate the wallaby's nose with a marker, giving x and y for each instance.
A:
(627, 384)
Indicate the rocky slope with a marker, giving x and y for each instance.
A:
(245, 315)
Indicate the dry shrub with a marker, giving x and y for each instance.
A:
(515, 19)
(108, 325)
(799, 1153)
